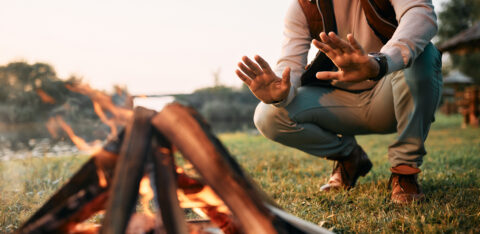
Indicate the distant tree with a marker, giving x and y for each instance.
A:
(456, 16)
(32, 93)
(216, 77)
(22, 86)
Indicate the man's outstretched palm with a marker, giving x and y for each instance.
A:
(262, 81)
(353, 63)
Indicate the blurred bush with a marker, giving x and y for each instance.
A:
(225, 108)
(31, 94)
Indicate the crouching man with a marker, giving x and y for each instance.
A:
(376, 72)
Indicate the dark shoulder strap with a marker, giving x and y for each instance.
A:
(314, 19)
(317, 22)
(381, 18)
(319, 17)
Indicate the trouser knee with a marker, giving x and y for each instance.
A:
(425, 71)
(270, 121)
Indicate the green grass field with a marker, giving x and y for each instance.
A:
(450, 179)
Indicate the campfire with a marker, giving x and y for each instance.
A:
(139, 160)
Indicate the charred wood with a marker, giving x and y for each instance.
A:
(212, 161)
(128, 172)
(82, 196)
(172, 215)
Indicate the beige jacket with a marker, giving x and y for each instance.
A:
(417, 26)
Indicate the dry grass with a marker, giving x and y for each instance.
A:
(450, 180)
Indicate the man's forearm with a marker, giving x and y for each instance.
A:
(417, 26)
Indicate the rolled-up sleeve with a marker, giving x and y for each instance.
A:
(295, 47)
(417, 26)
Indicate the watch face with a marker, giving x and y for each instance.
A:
(382, 62)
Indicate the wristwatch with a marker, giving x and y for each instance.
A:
(382, 63)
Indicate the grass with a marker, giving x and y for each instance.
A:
(450, 180)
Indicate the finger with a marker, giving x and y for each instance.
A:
(263, 64)
(286, 76)
(328, 41)
(340, 43)
(243, 77)
(328, 75)
(253, 66)
(355, 45)
(325, 48)
(246, 70)
(324, 37)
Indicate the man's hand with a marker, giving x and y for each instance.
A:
(353, 64)
(261, 80)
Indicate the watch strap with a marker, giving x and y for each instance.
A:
(382, 63)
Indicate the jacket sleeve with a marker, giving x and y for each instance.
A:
(417, 26)
(295, 47)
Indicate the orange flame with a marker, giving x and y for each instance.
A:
(52, 127)
(110, 123)
(147, 195)
(122, 115)
(202, 199)
(78, 141)
(100, 101)
(102, 180)
(104, 159)
(85, 228)
(45, 97)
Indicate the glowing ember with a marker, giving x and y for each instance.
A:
(85, 228)
(179, 170)
(202, 199)
(45, 97)
(147, 195)
(102, 180)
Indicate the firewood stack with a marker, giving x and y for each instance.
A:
(110, 181)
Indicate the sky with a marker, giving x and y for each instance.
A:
(150, 46)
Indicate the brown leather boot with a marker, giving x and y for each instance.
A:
(405, 188)
(347, 170)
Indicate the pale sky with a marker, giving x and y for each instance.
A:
(152, 47)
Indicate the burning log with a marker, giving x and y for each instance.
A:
(209, 158)
(111, 178)
(82, 196)
(166, 184)
(129, 172)
(253, 209)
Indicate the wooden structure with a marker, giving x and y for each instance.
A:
(466, 101)
(467, 41)
(469, 105)
(110, 181)
(453, 86)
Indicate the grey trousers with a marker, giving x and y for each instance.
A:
(323, 121)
